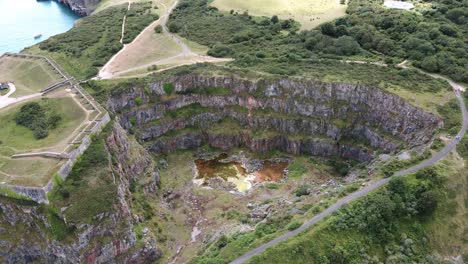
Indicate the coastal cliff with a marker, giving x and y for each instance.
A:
(81, 7)
(49, 233)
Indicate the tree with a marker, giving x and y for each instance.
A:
(274, 19)
(386, 46)
(346, 45)
(220, 51)
(328, 29)
(430, 64)
(448, 30)
(158, 29)
(457, 15)
(174, 27)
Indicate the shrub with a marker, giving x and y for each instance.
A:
(138, 101)
(220, 51)
(174, 27)
(168, 88)
(132, 120)
(303, 190)
(297, 168)
(293, 225)
(158, 29)
(35, 117)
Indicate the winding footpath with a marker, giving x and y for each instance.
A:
(6, 100)
(364, 191)
(186, 53)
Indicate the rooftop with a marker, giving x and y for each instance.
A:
(4, 86)
(399, 5)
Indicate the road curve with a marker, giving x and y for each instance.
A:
(362, 192)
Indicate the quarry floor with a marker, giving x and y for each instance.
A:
(193, 216)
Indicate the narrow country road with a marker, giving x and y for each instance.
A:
(333, 208)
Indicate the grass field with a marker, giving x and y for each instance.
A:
(29, 75)
(35, 171)
(308, 13)
(20, 139)
(148, 48)
(16, 139)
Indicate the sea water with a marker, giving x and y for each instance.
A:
(21, 20)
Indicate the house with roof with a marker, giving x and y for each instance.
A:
(4, 86)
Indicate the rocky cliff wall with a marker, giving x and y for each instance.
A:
(336, 112)
(25, 228)
(81, 7)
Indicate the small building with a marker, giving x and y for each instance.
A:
(399, 5)
(4, 86)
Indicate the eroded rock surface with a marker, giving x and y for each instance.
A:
(307, 117)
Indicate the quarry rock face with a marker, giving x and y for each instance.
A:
(81, 7)
(308, 117)
(37, 245)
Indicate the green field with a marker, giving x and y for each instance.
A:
(309, 13)
(15, 139)
(29, 75)
(20, 139)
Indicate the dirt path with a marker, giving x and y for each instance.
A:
(187, 55)
(6, 100)
(123, 23)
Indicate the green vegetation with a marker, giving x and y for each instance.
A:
(222, 250)
(89, 44)
(138, 17)
(39, 120)
(412, 82)
(168, 88)
(187, 111)
(462, 147)
(451, 114)
(158, 29)
(293, 225)
(308, 13)
(396, 165)
(5, 191)
(302, 190)
(58, 228)
(368, 32)
(390, 225)
(96, 38)
(207, 91)
(29, 75)
(59, 117)
(297, 168)
(431, 39)
(89, 190)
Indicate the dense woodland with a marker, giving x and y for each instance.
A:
(434, 38)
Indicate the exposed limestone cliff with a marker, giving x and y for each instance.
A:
(81, 7)
(26, 229)
(309, 117)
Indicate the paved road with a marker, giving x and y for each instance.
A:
(449, 147)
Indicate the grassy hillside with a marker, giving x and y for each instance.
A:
(29, 75)
(95, 39)
(433, 38)
(308, 13)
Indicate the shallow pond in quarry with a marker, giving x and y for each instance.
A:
(234, 172)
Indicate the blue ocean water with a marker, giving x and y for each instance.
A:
(21, 20)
